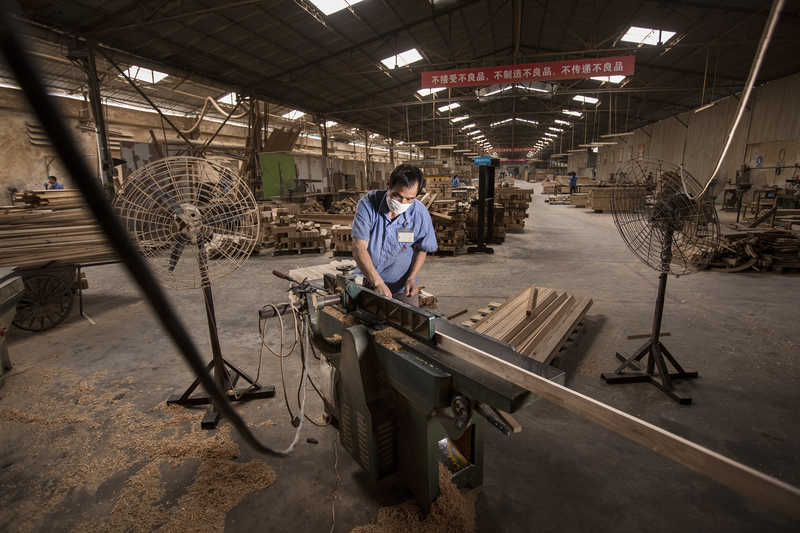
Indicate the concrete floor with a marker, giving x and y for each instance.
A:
(560, 474)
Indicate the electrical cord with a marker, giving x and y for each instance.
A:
(19, 61)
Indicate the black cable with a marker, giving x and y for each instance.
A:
(18, 59)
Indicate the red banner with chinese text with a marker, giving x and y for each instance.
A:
(549, 70)
(520, 149)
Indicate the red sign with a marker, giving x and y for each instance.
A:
(513, 160)
(550, 70)
(512, 150)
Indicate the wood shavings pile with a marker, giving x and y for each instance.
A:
(71, 438)
(452, 512)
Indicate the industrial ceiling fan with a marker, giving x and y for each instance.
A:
(673, 230)
(194, 221)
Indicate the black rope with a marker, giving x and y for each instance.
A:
(49, 117)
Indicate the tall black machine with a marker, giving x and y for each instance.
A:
(484, 205)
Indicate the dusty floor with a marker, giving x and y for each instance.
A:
(86, 443)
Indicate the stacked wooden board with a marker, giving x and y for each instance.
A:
(441, 185)
(551, 187)
(50, 226)
(341, 240)
(758, 249)
(536, 322)
(578, 199)
(516, 201)
(600, 197)
(450, 223)
(294, 236)
(499, 231)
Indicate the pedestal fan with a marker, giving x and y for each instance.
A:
(672, 234)
(195, 221)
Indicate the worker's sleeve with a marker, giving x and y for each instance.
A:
(426, 240)
(363, 219)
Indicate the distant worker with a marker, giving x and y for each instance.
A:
(52, 183)
(392, 236)
(455, 181)
(573, 183)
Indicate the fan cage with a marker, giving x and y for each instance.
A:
(194, 220)
(655, 214)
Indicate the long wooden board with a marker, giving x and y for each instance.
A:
(734, 475)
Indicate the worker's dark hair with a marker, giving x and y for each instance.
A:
(52, 178)
(406, 176)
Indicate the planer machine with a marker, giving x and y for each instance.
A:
(398, 389)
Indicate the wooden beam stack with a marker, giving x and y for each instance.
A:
(758, 249)
(50, 226)
(536, 322)
(516, 202)
(341, 240)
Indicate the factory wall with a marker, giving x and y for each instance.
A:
(768, 136)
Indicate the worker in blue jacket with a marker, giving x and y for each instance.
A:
(573, 183)
(52, 183)
(392, 235)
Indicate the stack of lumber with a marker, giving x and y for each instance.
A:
(464, 193)
(499, 231)
(450, 223)
(441, 185)
(558, 199)
(427, 299)
(266, 239)
(312, 206)
(536, 322)
(298, 237)
(579, 199)
(551, 187)
(516, 202)
(757, 249)
(50, 226)
(341, 240)
(788, 218)
(600, 197)
(345, 206)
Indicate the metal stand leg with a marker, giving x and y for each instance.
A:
(656, 372)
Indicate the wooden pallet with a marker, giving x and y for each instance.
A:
(537, 321)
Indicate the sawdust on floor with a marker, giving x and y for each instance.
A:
(71, 439)
(452, 512)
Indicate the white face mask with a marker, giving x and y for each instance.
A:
(398, 208)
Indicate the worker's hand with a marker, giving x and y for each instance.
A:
(383, 290)
(411, 288)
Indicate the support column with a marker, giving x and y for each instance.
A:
(104, 160)
(323, 136)
(366, 160)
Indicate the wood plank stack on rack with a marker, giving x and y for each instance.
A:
(441, 185)
(599, 198)
(578, 199)
(341, 240)
(345, 206)
(50, 226)
(551, 187)
(758, 249)
(294, 236)
(516, 202)
(536, 322)
(451, 229)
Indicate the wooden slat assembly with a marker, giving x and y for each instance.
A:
(536, 322)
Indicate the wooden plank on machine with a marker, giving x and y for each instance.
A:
(741, 478)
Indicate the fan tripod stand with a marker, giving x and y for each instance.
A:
(656, 372)
(225, 373)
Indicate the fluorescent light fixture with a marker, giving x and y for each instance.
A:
(533, 88)
(418, 142)
(459, 119)
(147, 75)
(473, 132)
(526, 121)
(293, 114)
(611, 135)
(449, 107)
(493, 92)
(443, 147)
(332, 6)
(401, 143)
(564, 122)
(585, 99)
(551, 128)
(550, 134)
(576, 150)
(649, 36)
(479, 137)
(609, 79)
(468, 126)
(572, 113)
(428, 92)
(402, 59)
(330, 123)
(500, 122)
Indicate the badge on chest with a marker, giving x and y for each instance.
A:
(405, 236)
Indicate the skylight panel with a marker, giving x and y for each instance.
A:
(145, 74)
(229, 99)
(610, 79)
(293, 114)
(402, 59)
(459, 119)
(572, 113)
(329, 7)
(650, 36)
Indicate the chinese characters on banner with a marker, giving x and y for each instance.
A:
(547, 71)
